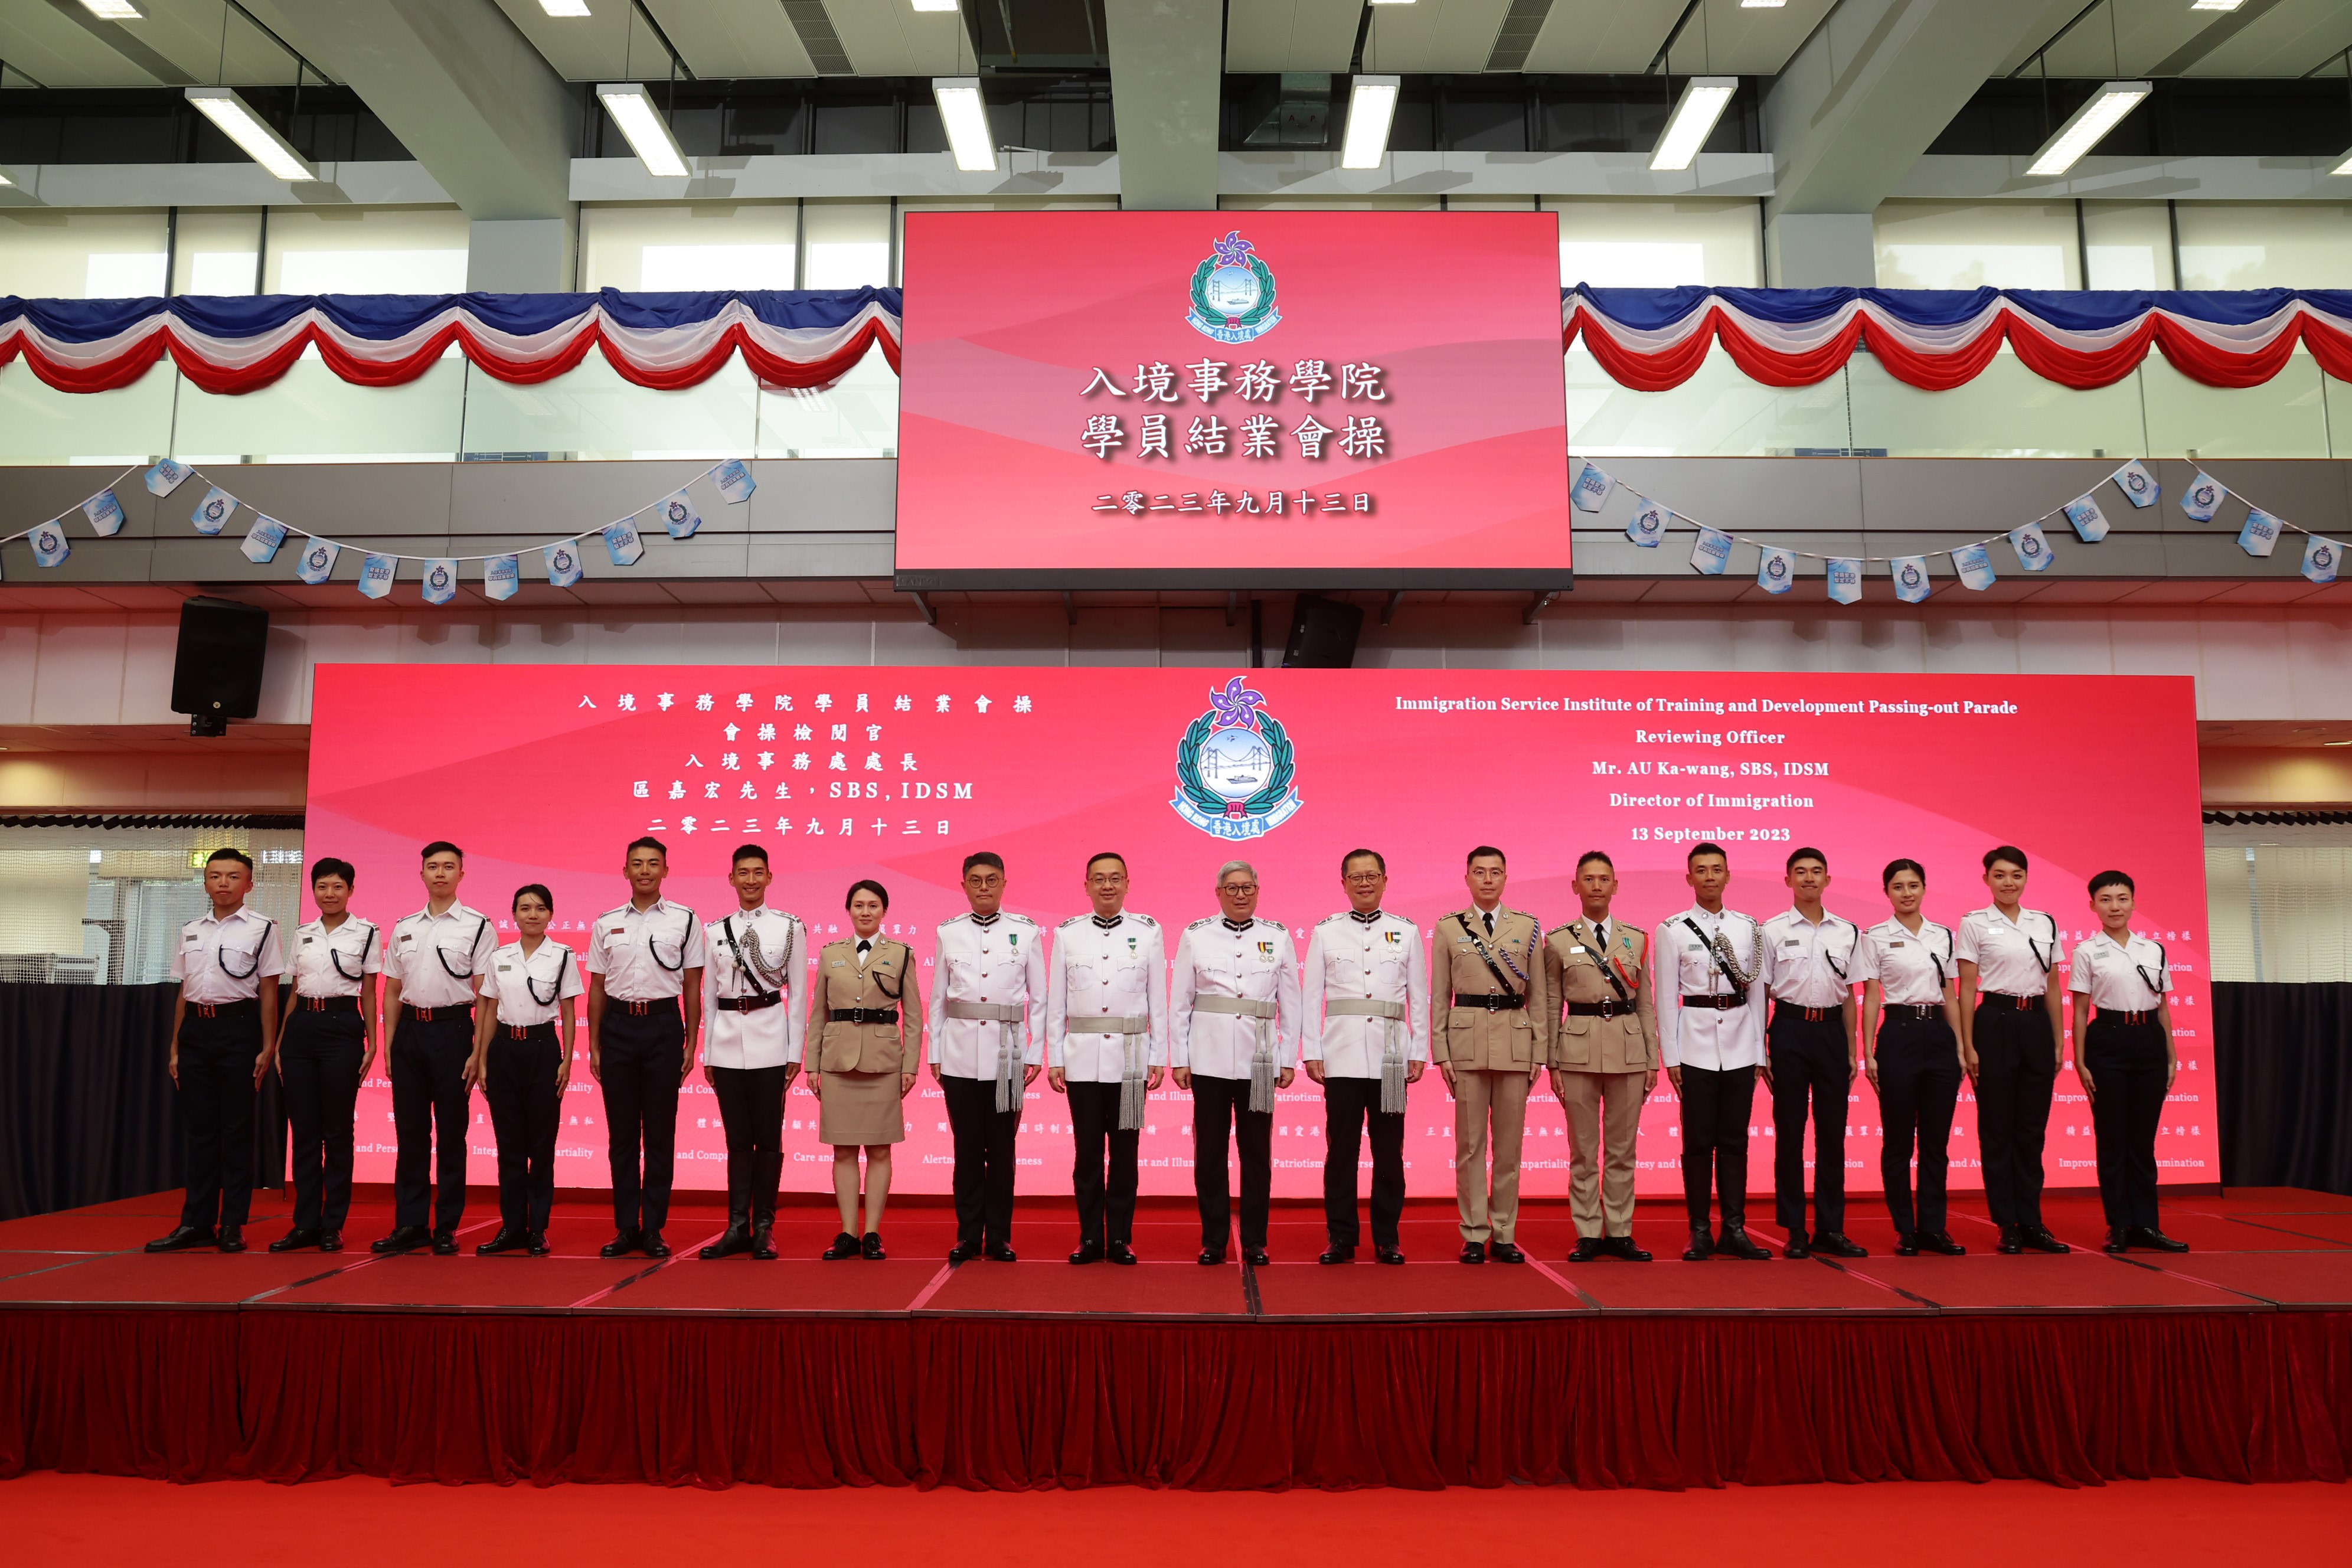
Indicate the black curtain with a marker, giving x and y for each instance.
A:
(87, 1113)
(2282, 1072)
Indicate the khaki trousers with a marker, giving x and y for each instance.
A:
(1488, 1212)
(1604, 1119)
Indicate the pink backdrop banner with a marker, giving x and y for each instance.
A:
(898, 773)
(1038, 431)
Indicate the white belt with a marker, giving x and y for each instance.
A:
(1131, 1081)
(1261, 1095)
(1392, 1052)
(1007, 1019)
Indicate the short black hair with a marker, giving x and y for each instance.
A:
(534, 891)
(1896, 867)
(648, 842)
(1807, 853)
(1589, 856)
(1483, 850)
(328, 866)
(441, 847)
(225, 853)
(1372, 854)
(1705, 847)
(1106, 855)
(2009, 852)
(743, 852)
(990, 857)
(866, 885)
(2114, 879)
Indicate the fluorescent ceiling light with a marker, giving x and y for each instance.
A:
(2089, 125)
(2216, 5)
(935, 5)
(1761, 4)
(632, 108)
(2344, 167)
(564, 7)
(113, 10)
(1388, 2)
(1704, 100)
(4, 180)
(255, 135)
(1372, 105)
(965, 114)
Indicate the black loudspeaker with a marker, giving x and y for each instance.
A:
(216, 675)
(1322, 634)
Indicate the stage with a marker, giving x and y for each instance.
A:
(2233, 1362)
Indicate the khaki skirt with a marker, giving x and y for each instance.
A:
(860, 1108)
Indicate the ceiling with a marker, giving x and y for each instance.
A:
(59, 44)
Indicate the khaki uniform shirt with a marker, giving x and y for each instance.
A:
(1478, 1038)
(1625, 1043)
(887, 980)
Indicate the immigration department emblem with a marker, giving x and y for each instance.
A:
(1232, 293)
(1235, 767)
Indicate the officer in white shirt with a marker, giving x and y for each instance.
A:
(754, 1032)
(224, 1038)
(2009, 1044)
(1911, 980)
(432, 968)
(1232, 1038)
(324, 1047)
(1106, 1048)
(1710, 966)
(1365, 1038)
(1811, 1056)
(644, 959)
(988, 1046)
(522, 1059)
(2124, 1056)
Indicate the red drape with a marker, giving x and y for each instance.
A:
(1008, 1404)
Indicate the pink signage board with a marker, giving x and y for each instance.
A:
(1224, 399)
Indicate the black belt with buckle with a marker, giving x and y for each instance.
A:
(242, 1007)
(532, 1031)
(753, 1004)
(427, 1014)
(1719, 1003)
(328, 1003)
(1609, 1009)
(2120, 1016)
(1492, 1001)
(2003, 999)
(1810, 1015)
(1916, 1012)
(643, 1009)
(863, 1016)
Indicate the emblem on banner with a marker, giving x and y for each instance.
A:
(1232, 293)
(1235, 767)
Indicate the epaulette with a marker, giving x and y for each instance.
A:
(1564, 925)
(1074, 919)
(616, 909)
(1205, 920)
(1327, 919)
(1147, 920)
(1024, 919)
(959, 915)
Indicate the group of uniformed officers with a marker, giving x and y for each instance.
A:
(1101, 1017)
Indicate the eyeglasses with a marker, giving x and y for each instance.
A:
(1363, 876)
(1237, 886)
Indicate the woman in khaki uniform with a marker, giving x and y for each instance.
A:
(866, 1029)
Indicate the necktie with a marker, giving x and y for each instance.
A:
(864, 950)
(1488, 916)
(1601, 935)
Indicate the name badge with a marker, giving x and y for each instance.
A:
(1793, 941)
(188, 936)
(1893, 944)
(308, 940)
(408, 936)
(841, 963)
(617, 930)
(506, 969)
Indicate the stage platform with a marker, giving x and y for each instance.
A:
(2233, 1361)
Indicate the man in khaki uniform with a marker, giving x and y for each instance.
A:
(1487, 1035)
(1604, 1058)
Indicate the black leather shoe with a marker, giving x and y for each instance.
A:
(535, 1243)
(1505, 1252)
(2149, 1237)
(1907, 1244)
(961, 1252)
(1334, 1253)
(1474, 1252)
(623, 1242)
(999, 1252)
(330, 1241)
(1587, 1248)
(405, 1238)
(1255, 1258)
(1701, 1247)
(844, 1245)
(186, 1236)
(764, 1245)
(1837, 1243)
(1795, 1247)
(444, 1244)
(871, 1248)
(1734, 1243)
(2038, 1238)
(1941, 1243)
(1089, 1253)
(295, 1240)
(505, 1241)
(232, 1239)
(1622, 1246)
(2119, 1239)
(737, 1239)
(650, 1243)
(1119, 1252)
(1211, 1256)
(2011, 1242)
(1389, 1255)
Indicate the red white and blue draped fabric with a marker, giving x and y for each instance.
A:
(795, 338)
(1936, 339)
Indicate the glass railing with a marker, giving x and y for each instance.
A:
(455, 411)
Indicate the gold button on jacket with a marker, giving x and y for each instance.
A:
(1472, 1038)
(886, 981)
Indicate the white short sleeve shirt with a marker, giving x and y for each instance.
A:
(2125, 977)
